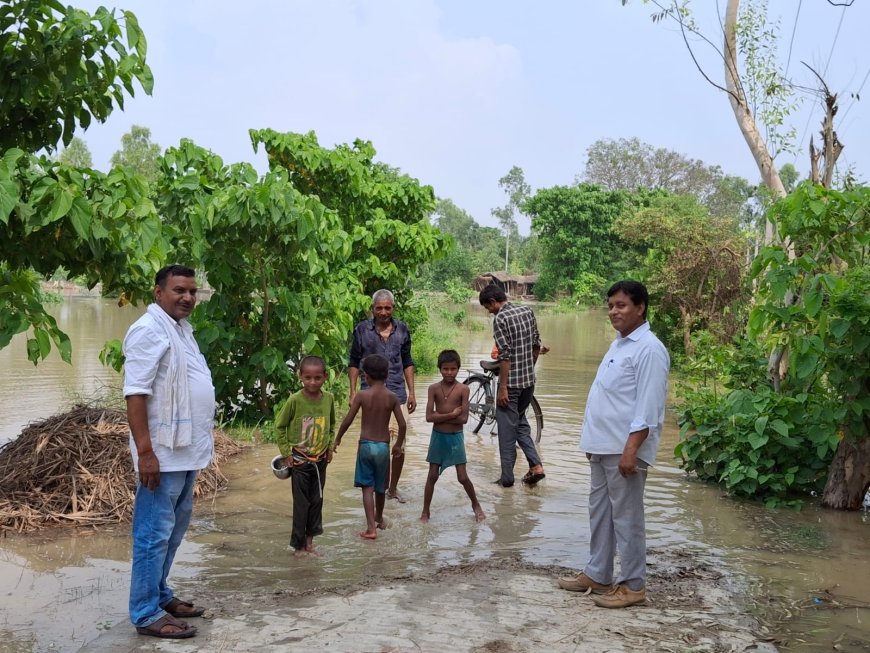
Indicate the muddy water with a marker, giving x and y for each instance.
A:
(29, 392)
(61, 590)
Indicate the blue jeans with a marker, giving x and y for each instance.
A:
(160, 520)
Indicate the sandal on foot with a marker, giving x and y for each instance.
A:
(190, 611)
(533, 477)
(156, 629)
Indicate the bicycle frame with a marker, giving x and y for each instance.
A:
(482, 404)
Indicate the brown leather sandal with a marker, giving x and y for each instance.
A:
(175, 603)
(156, 629)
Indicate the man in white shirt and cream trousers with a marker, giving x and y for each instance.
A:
(620, 435)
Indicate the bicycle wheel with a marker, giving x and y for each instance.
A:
(536, 419)
(481, 404)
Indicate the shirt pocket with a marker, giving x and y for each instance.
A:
(616, 374)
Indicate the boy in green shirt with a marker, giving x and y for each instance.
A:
(305, 430)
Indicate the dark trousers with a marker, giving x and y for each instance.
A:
(513, 430)
(308, 481)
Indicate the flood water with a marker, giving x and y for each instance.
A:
(60, 589)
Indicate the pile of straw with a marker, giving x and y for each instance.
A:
(75, 469)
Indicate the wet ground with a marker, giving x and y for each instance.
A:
(714, 568)
(451, 585)
(719, 566)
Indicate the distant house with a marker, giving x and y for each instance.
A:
(513, 285)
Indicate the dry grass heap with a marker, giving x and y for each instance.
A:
(75, 469)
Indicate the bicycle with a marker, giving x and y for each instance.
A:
(481, 400)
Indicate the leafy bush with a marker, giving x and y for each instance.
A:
(430, 339)
(457, 291)
(753, 441)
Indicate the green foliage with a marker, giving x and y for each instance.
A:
(588, 289)
(517, 190)
(458, 292)
(473, 250)
(789, 176)
(753, 441)
(101, 227)
(813, 301)
(770, 95)
(76, 154)
(21, 308)
(630, 164)
(293, 255)
(454, 267)
(827, 330)
(112, 354)
(433, 337)
(574, 225)
(61, 68)
(455, 221)
(693, 266)
(138, 153)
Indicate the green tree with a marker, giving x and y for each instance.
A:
(138, 153)
(574, 226)
(630, 164)
(760, 96)
(60, 68)
(487, 255)
(76, 154)
(515, 186)
(827, 333)
(693, 265)
(455, 221)
(293, 255)
(789, 175)
(814, 431)
(475, 249)
(528, 255)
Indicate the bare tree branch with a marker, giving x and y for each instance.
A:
(672, 12)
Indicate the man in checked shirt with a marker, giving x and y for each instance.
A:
(515, 330)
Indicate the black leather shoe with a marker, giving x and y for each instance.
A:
(498, 481)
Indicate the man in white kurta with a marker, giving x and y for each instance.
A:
(620, 435)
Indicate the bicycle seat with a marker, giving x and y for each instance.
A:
(490, 366)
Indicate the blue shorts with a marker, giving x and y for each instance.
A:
(446, 449)
(372, 463)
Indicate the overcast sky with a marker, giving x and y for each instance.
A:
(455, 92)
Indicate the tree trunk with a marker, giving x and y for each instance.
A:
(745, 119)
(755, 141)
(687, 330)
(849, 475)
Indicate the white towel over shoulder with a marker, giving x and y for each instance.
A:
(175, 428)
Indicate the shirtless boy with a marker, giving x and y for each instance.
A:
(447, 409)
(373, 453)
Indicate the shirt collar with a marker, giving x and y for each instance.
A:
(635, 335)
(374, 326)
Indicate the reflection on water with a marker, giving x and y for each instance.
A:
(29, 393)
(77, 582)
